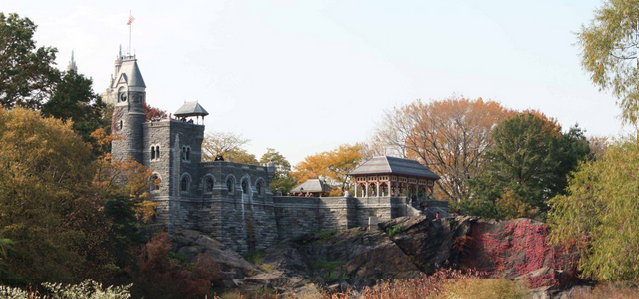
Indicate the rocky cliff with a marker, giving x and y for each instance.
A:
(401, 248)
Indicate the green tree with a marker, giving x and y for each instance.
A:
(598, 215)
(73, 99)
(28, 76)
(609, 46)
(526, 166)
(282, 179)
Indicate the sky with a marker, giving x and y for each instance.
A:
(303, 77)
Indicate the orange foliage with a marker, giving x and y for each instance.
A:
(127, 177)
(448, 136)
(335, 164)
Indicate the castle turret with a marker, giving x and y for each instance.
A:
(128, 113)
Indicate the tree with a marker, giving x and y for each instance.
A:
(282, 180)
(344, 159)
(609, 52)
(28, 76)
(227, 145)
(527, 165)
(448, 136)
(45, 195)
(335, 164)
(598, 215)
(151, 112)
(73, 99)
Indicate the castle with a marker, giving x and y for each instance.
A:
(232, 201)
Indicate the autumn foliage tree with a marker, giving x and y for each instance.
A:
(64, 216)
(335, 164)
(448, 136)
(228, 145)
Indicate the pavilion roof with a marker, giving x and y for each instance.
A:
(312, 185)
(394, 165)
(191, 109)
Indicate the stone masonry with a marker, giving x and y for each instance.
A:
(227, 200)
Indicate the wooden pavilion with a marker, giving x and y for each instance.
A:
(385, 176)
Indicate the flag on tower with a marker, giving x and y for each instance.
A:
(131, 18)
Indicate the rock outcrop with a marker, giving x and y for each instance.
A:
(402, 248)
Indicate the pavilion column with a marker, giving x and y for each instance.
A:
(366, 189)
(377, 188)
(356, 183)
(390, 189)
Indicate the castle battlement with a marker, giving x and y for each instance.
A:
(232, 201)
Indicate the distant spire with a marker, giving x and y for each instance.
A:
(120, 54)
(72, 66)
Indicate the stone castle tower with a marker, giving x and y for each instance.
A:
(128, 95)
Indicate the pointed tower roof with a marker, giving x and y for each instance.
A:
(72, 66)
(191, 109)
(131, 72)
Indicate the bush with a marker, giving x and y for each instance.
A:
(160, 276)
(486, 288)
(88, 289)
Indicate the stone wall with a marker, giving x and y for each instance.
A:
(296, 216)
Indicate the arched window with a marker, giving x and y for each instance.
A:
(208, 184)
(157, 152)
(230, 185)
(188, 153)
(245, 187)
(121, 125)
(155, 182)
(153, 153)
(184, 184)
(258, 188)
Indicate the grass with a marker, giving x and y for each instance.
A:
(330, 269)
(324, 235)
(394, 230)
(255, 257)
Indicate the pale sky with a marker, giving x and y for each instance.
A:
(306, 76)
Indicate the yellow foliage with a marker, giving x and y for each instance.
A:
(335, 164)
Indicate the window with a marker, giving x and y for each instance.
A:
(153, 153)
(186, 153)
(230, 185)
(157, 152)
(155, 182)
(184, 184)
(245, 187)
(208, 184)
(258, 188)
(120, 125)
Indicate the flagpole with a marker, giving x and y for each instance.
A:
(130, 24)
